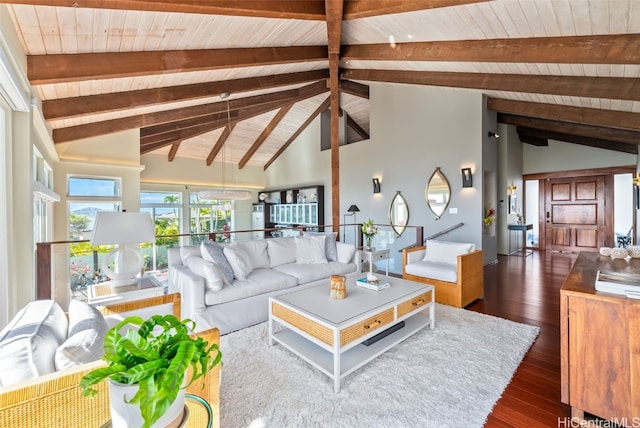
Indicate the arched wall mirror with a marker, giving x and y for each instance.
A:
(438, 193)
(399, 214)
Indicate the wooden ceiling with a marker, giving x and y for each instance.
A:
(556, 69)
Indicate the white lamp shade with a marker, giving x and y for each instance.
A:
(122, 228)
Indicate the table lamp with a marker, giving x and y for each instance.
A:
(124, 263)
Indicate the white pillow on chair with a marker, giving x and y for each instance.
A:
(84, 344)
(28, 343)
(446, 252)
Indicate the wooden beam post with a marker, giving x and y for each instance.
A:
(334, 30)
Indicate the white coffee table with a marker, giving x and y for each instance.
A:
(329, 334)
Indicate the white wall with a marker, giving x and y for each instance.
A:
(414, 129)
(509, 174)
(561, 156)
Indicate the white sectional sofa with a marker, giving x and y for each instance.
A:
(228, 286)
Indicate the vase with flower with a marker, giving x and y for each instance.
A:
(369, 230)
(489, 219)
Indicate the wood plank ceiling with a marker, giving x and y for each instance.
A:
(556, 69)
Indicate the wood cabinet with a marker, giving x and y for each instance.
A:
(600, 343)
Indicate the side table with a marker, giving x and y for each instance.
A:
(104, 293)
(374, 255)
(520, 249)
(197, 413)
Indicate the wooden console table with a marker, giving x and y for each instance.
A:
(599, 343)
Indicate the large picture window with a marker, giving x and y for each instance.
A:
(165, 209)
(86, 197)
(208, 216)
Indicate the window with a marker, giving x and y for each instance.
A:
(43, 198)
(209, 216)
(95, 187)
(165, 209)
(87, 197)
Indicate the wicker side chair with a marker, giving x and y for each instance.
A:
(55, 400)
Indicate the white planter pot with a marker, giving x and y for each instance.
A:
(125, 415)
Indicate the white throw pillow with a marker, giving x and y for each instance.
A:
(257, 254)
(211, 272)
(212, 251)
(330, 244)
(282, 251)
(239, 261)
(446, 252)
(28, 343)
(345, 252)
(84, 344)
(310, 249)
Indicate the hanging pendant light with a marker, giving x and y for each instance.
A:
(224, 193)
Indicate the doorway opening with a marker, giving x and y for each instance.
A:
(580, 210)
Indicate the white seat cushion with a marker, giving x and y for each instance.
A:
(28, 343)
(436, 270)
(257, 282)
(312, 272)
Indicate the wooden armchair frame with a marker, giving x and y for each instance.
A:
(470, 283)
(56, 400)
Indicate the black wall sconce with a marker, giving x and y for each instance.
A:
(493, 134)
(467, 177)
(376, 185)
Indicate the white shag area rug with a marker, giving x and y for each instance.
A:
(451, 376)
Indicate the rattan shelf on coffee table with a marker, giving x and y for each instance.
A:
(329, 333)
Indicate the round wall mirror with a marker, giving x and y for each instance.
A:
(399, 214)
(438, 193)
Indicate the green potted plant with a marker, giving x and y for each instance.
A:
(152, 357)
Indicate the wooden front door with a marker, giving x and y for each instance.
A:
(576, 216)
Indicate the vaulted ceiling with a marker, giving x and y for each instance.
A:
(559, 69)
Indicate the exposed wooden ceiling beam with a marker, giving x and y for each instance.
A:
(576, 86)
(43, 69)
(72, 133)
(64, 108)
(528, 134)
(568, 128)
(184, 130)
(534, 141)
(286, 9)
(589, 116)
(357, 128)
(173, 151)
(354, 88)
(320, 109)
(264, 135)
(354, 9)
(239, 110)
(600, 49)
(220, 143)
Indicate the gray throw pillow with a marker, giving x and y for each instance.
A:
(213, 252)
(330, 244)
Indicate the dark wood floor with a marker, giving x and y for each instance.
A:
(527, 290)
